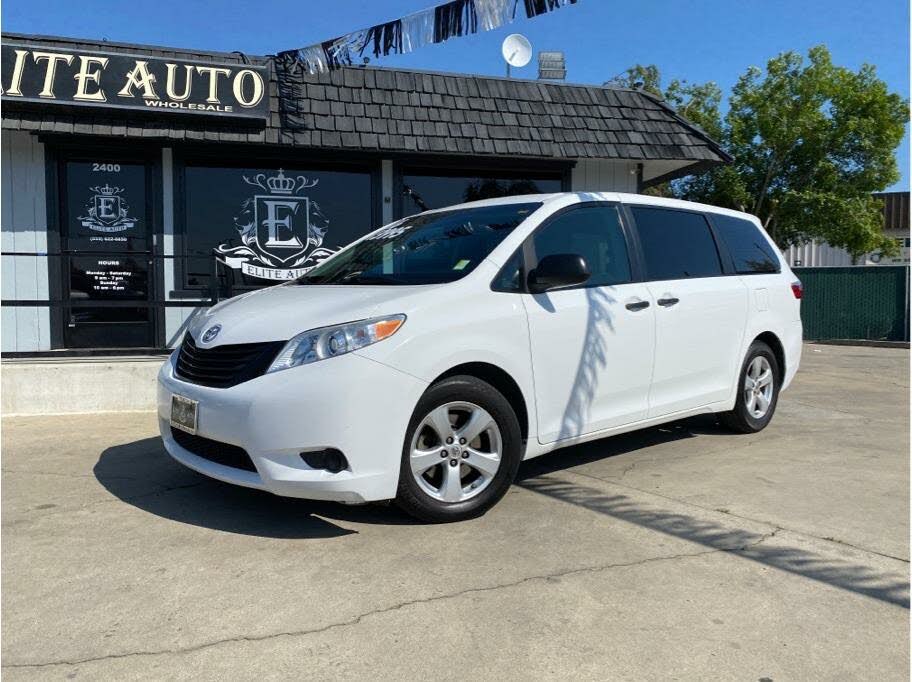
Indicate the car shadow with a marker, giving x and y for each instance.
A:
(622, 444)
(889, 587)
(534, 475)
(143, 475)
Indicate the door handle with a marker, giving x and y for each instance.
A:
(667, 302)
(638, 305)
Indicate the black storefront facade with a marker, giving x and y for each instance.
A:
(140, 184)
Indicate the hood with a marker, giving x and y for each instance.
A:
(279, 313)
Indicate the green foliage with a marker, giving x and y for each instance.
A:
(698, 103)
(811, 142)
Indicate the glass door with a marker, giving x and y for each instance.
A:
(106, 241)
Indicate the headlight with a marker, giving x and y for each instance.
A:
(328, 342)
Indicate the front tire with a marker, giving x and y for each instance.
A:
(461, 452)
(758, 391)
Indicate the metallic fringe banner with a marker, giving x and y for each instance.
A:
(401, 36)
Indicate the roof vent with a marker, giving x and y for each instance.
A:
(552, 66)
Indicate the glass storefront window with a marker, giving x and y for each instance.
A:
(105, 206)
(106, 245)
(421, 191)
(267, 225)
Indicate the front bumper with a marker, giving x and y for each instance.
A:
(356, 405)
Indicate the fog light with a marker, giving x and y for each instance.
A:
(329, 459)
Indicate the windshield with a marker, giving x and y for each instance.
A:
(424, 249)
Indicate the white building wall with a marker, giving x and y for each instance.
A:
(815, 255)
(24, 229)
(603, 176)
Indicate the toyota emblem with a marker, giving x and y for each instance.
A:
(211, 333)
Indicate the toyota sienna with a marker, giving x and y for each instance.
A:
(425, 361)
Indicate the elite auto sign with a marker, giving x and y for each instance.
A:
(52, 75)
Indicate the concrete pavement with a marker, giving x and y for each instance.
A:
(681, 552)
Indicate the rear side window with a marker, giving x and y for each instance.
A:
(748, 248)
(676, 244)
(593, 232)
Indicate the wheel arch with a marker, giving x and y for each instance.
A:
(773, 341)
(499, 379)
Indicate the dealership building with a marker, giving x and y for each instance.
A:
(140, 183)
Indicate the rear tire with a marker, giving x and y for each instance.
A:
(442, 479)
(758, 391)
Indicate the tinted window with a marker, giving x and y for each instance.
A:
(423, 249)
(510, 278)
(748, 248)
(676, 244)
(595, 234)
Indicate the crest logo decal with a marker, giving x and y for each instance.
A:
(211, 333)
(280, 228)
(107, 211)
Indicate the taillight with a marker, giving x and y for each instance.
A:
(797, 289)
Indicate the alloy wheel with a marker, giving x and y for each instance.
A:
(758, 387)
(456, 451)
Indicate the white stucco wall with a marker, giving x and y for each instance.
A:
(24, 229)
(604, 176)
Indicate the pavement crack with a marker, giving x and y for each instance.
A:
(356, 620)
(626, 470)
(857, 547)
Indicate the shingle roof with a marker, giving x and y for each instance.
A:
(391, 110)
(433, 112)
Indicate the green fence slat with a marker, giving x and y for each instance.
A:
(856, 302)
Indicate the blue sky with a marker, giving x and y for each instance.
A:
(700, 41)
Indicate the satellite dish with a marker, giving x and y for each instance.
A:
(516, 50)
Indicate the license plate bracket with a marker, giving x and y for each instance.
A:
(184, 413)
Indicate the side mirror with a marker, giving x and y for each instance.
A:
(557, 271)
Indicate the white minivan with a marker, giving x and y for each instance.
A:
(425, 361)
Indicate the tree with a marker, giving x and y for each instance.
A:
(811, 142)
(698, 103)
